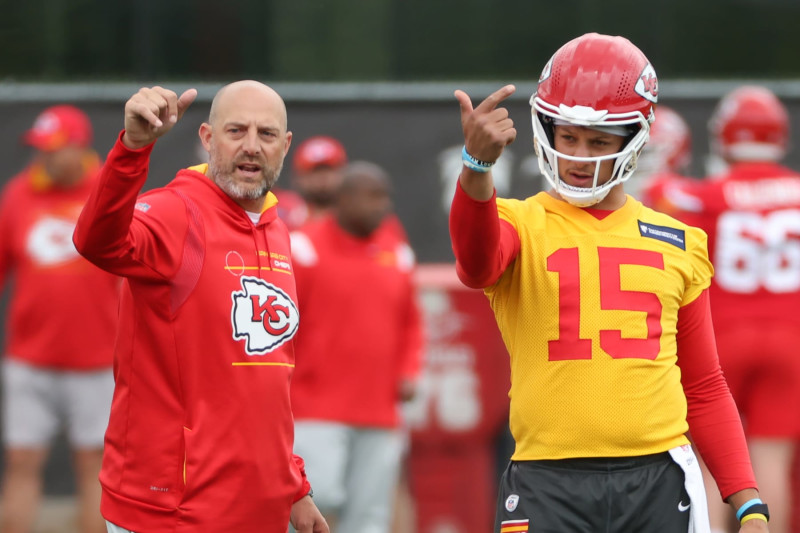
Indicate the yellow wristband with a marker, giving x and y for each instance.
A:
(747, 518)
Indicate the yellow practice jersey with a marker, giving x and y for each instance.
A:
(588, 311)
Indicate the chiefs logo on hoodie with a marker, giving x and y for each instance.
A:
(263, 315)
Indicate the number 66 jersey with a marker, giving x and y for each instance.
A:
(752, 217)
(589, 313)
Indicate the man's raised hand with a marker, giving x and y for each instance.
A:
(487, 128)
(152, 112)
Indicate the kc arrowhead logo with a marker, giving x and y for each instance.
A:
(263, 315)
(50, 241)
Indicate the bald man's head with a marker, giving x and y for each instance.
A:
(246, 140)
(246, 87)
(364, 198)
(364, 174)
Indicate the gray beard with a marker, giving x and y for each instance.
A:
(237, 191)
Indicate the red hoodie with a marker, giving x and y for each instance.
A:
(63, 309)
(361, 332)
(201, 433)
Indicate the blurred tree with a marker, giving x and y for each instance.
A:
(306, 40)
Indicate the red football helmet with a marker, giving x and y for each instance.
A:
(750, 124)
(596, 81)
(670, 146)
(319, 151)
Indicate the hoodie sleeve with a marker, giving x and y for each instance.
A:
(127, 235)
(305, 486)
(6, 232)
(411, 354)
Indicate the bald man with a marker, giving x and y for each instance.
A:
(201, 433)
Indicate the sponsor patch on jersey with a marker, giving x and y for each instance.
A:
(144, 207)
(514, 526)
(512, 502)
(263, 315)
(674, 236)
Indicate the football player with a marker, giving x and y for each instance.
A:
(751, 213)
(603, 306)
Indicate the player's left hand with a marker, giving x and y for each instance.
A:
(487, 128)
(306, 518)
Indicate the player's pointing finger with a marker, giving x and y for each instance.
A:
(496, 97)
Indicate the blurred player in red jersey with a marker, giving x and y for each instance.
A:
(751, 213)
(317, 166)
(57, 370)
(604, 309)
(357, 351)
(317, 173)
(664, 161)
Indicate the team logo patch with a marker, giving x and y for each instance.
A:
(263, 315)
(647, 84)
(676, 237)
(144, 207)
(514, 526)
(512, 502)
(50, 241)
(548, 68)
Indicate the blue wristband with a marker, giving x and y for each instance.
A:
(474, 164)
(745, 506)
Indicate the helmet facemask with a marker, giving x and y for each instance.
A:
(543, 117)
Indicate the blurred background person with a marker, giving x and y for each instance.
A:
(751, 213)
(317, 167)
(61, 322)
(664, 161)
(357, 352)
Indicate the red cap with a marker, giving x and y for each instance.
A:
(317, 152)
(59, 126)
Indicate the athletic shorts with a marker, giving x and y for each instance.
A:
(113, 528)
(353, 472)
(761, 362)
(595, 495)
(38, 402)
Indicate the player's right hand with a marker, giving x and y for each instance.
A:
(487, 128)
(152, 112)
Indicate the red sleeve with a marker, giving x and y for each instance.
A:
(411, 356)
(5, 236)
(112, 234)
(305, 486)
(714, 422)
(484, 245)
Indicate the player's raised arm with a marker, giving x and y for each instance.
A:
(152, 112)
(104, 232)
(487, 131)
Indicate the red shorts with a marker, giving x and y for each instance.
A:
(761, 362)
